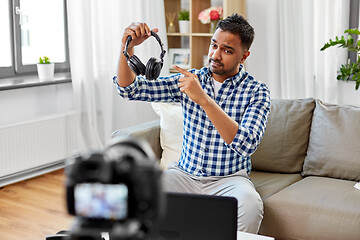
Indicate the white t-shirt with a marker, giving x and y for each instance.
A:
(216, 85)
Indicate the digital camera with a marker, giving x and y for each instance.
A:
(116, 191)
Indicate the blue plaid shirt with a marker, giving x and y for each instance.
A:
(204, 152)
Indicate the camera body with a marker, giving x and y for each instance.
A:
(108, 191)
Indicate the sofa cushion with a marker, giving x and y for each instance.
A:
(267, 184)
(171, 131)
(334, 144)
(285, 141)
(313, 208)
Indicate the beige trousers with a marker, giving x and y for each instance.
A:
(238, 185)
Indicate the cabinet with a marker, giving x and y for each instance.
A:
(197, 40)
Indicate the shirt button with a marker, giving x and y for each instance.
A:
(206, 149)
(203, 170)
(210, 128)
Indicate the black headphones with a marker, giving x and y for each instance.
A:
(153, 66)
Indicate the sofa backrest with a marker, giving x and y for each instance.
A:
(284, 144)
(149, 131)
(334, 144)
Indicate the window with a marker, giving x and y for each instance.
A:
(5, 40)
(32, 28)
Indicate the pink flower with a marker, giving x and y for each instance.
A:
(210, 14)
(204, 17)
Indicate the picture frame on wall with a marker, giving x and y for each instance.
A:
(179, 57)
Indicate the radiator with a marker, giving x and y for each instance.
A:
(37, 144)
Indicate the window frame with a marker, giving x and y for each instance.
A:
(17, 68)
(353, 23)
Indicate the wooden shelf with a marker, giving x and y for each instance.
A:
(202, 34)
(177, 34)
(199, 36)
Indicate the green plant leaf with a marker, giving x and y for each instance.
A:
(353, 31)
(354, 77)
(348, 70)
(350, 40)
(325, 47)
(46, 60)
(184, 15)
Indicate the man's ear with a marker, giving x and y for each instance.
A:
(244, 56)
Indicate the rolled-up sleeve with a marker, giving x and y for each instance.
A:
(127, 91)
(252, 124)
(163, 89)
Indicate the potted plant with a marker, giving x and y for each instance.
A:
(348, 70)
(45, 69)
(184, 21)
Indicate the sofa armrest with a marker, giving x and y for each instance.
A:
(149, 131)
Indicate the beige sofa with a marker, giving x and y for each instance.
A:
(305, 169)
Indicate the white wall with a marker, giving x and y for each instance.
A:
(27, 104)
(24, 104)
(258, 62)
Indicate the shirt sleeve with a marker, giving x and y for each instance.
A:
(163, 89)
(253, 123)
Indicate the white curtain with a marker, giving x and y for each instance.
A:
(329, 23)
(95, 32)
(292, 33)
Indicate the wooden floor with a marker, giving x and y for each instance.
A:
(34, 208)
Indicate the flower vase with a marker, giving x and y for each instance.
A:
(46, 71)
(213, 25)
(184, 26)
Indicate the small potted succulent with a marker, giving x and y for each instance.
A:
(45, 69)
(184, 21)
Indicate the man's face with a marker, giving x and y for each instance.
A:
(226, 53)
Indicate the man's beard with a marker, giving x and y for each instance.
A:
(218, 69)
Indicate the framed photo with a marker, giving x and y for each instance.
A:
(179, 57)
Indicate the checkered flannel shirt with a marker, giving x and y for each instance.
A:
(204, 152)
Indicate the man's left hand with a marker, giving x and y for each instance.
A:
(190, 85)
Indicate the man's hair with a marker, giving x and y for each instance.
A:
(237, 24)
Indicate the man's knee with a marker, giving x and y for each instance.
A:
(250, 212)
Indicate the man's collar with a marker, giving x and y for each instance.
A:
(239, 76)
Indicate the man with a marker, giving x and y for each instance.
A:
(225, 114)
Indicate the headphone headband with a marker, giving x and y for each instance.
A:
(128, 40)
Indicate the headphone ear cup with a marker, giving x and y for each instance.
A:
(136, 65)
(150, 68)
(153, 68)
(157, 69)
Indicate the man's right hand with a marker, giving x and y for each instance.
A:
(139, 33)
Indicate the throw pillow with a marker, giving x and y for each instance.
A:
(171, 131)
(284, 144)
(334, 144)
